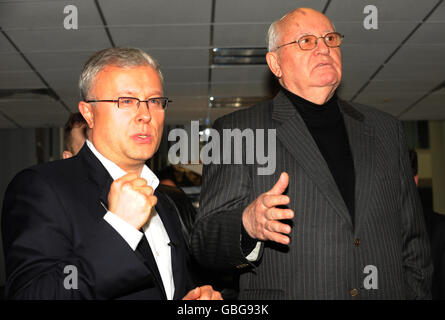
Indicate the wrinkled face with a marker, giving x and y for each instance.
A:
(126, 137)
(299, 70)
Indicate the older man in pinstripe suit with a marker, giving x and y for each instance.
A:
(340, 218)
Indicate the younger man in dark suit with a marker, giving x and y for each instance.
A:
(94, 226)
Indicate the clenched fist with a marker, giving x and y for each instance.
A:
(131, 199)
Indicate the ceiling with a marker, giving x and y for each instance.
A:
(398, 68)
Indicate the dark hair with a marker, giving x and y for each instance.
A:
(75, 120)
(413, 160)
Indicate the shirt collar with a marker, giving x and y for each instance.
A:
(116, 172)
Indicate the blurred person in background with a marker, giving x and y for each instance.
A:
(75, 135)
(435, 225)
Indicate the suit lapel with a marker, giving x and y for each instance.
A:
(97, 183)
(297, 139)
(362, 143)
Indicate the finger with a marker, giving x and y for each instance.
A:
(152, 201)
(275, 226)
(272, 200)
(193, 294)
(277, 237)
(122, 181)
(281, 184)
(279, 214)
(126, 178)
(206, 293)
(134, 183)
(147, 190)
(139, 182)
(216, 295)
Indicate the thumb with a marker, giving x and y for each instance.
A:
(193, 294)
(281, 184)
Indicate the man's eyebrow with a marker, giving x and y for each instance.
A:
(312, 33)
(127, 92)
(130, 93)
(155, 93)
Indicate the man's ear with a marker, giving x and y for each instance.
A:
(66, 154)
(87, 112)
(272, 62)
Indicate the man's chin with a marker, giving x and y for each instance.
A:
(328, 80)
(142, 155)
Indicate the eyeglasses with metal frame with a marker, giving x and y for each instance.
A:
(309, 42)
(128, 103)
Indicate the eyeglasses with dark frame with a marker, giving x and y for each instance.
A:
(309, 42)
(127, 103)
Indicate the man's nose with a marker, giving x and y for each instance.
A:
(143, 114)
(321, 46)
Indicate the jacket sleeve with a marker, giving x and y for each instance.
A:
(217, 234)
(417, 263)
(41, 259)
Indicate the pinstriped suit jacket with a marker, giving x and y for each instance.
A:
(327, 255)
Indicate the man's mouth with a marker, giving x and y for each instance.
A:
(141, 138)
(322, 65)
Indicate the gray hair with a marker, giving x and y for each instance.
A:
(272, 36)
(119, 57)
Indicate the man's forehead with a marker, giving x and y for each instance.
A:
(305, 19)
(104, 75)
(123, 69)
(305, 13)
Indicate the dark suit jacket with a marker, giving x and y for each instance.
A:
(53, 217)
(183, 205)
(327, 255)
(435, 224)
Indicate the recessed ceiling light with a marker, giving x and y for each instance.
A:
(235, 102)
(238, 56)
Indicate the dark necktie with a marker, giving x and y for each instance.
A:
(144, 248)
(148, 259)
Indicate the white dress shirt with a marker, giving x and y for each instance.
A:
(154, 229)
(254, 254)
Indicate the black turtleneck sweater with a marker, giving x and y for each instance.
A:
(327, 127)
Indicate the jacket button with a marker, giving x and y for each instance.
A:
(354, 292)
(356, 242)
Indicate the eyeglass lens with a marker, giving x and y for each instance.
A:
(310, 41)
(130, 103)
